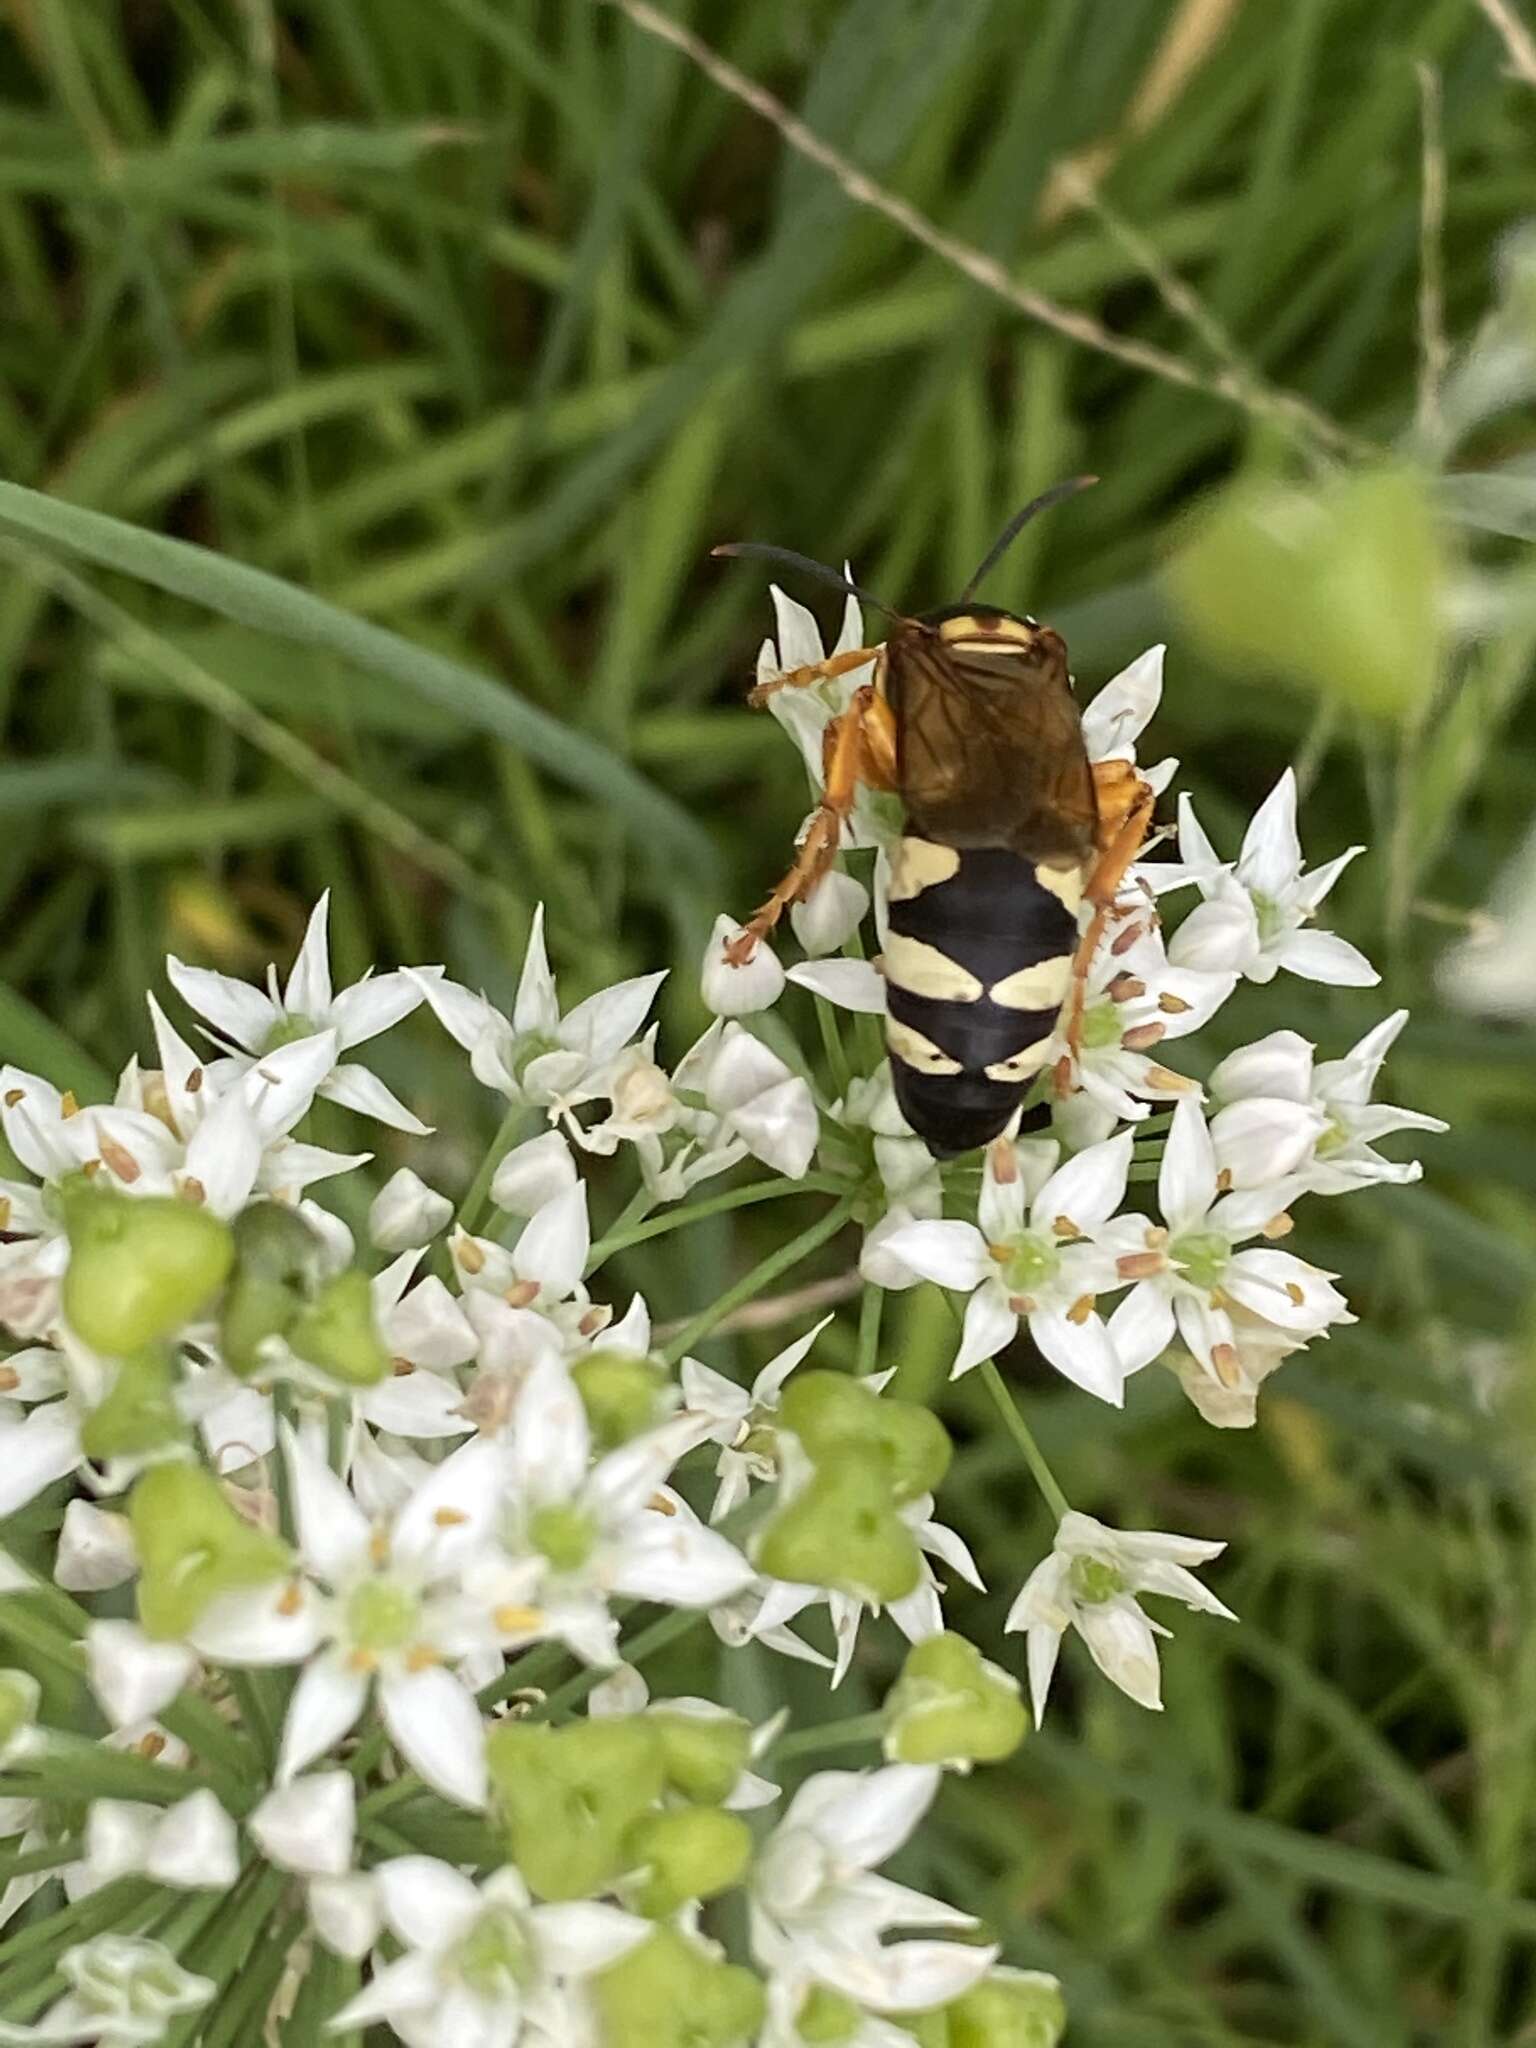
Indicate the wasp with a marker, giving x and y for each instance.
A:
(1013, 848)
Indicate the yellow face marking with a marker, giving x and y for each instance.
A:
(925, 971)
(1021, 1066)
(1041, 987)
(968, 631)
(921, 864)
(917, 1051)
(1063, 882)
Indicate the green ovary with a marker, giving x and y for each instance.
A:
(564, 1535)
(492, 1959)
(1093, 1581)
(1101, 1026)
(382, 1615)
(287, 1031)
(1032, 1262)
(1202, 1257)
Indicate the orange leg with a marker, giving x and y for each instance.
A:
(814, 672)
(858, 747)
(1125, 805)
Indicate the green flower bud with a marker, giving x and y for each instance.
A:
(193, 1546)
(139, 1267)
(338, 1332)
(20, 1697)
(950, 1706)
(277, 1268)
(568, 1796)
(622, 1394)
(1010, 2009)
(1365, 549)
(670, 1992)
(828, 1409)
(138, 1414)
(704, 1754)
(693, 1852)
(842, 1530)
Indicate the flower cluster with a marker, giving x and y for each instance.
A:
(346, 1539)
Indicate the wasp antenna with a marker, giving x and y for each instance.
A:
(1016, 525)
(760, 551)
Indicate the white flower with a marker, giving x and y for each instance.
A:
(831, 914)
(191, 1845)
(1189, 1273)
(1251, 921)
(1045, 1263)
(1116, 718)
(571, 1534)
(406, 1212)
(729, 1414)
(734, 988)
(307, 1826)
(748, 1102)
(1339, 1092)
(1136, 1001)
(537, 1056)
(805, 713)
(393, 1614)
(1090, 1582)
(257, 1022)
(483, 1967)
(123, 1993)
(819, 1912)
(344, 1912)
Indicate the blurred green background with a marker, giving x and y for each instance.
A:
(479, 323)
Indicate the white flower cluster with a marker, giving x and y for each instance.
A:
(345, 1536)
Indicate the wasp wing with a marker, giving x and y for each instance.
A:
(990, 745)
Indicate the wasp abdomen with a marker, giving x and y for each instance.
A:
(977, 963)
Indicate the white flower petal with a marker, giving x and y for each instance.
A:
(1324, 956)
(554, 1244)
(96, 1549)
(780, 1127)
(1270, 861)
(1186, 1181)
(36, 1452)
(1115, 719)
(1219, 936)
(676, 1560)
(332, 1529)
(426, 1902)
(344, 1912)
(1122, 1643)
(279, 1623)
(1080, 1352)
(830, 916)
(533, 1173)
(581, 1938)
(325, 1705)
(234, 1009)
(406, 1212)
(1142, 1327)
(1279, 1065)
(379, 1001)
(1089, 1188)
(359, 1088)
(989, 1324)
(1264, 1138)
(951, 1253)
(850, 984)
(607, 1021)
(437, 1728)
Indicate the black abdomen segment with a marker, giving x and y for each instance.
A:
(978, 960)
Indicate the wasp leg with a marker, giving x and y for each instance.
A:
(814, 672)
(1125, 804)
(859, 746)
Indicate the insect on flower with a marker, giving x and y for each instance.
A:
(1008, 832)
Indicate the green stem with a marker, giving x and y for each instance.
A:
(832, 1044)
(772, 1268)
(871, 1310)
(1019, 1430)
(52, 1858)
(510, 1129)
(620, 1238)
(852, 1734)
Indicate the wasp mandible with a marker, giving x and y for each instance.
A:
(1009, 833)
